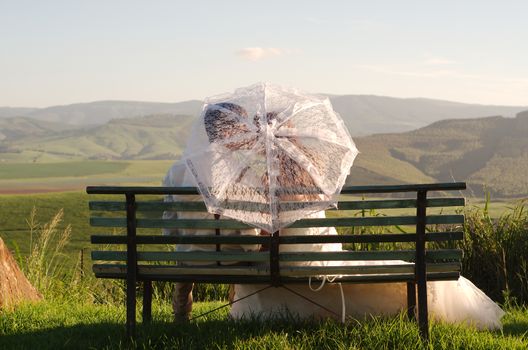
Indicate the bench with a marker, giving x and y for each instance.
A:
(425, 241)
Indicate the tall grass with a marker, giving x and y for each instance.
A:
(44, 265)
(495, 249)
(51, 271)
(496, 252)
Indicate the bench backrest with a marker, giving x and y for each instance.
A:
(373, 229)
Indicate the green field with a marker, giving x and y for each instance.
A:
(64, 169)
(76, 175)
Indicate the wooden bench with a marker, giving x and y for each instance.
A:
(430, 252)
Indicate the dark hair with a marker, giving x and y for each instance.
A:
(224, 119)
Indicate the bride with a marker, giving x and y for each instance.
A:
(449, 301)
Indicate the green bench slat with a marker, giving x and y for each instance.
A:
(304, 223)
(450, 186)
(445, 202)
(183, 256)
(158, 239)
(408, 277)
(439, 254)
(144, 271)
(408, 255)
(370, 238)
(119, 271)
(342, 205)
(444, 219)
(444, 236)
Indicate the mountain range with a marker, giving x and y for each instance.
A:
(363, 114)
(490, 153)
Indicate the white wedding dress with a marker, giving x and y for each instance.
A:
(449, 301)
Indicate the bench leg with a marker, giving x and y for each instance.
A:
(411, 300)
(131, 309)
(147, 301)
(423, 322)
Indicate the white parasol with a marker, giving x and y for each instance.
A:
(256, 151)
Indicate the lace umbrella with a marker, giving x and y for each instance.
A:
(269, 156)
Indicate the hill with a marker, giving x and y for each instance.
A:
(21, 128)
(363, 114)
(8, 112)
(152, 137)
(100, 112)
(489, 153)
(366, 114)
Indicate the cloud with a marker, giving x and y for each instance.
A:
(259, 53)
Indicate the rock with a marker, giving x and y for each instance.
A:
(14, 286)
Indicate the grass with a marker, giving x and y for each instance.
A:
(15, 210)
(60, 324)
(76, 175)
(62, 169)
(89, 313)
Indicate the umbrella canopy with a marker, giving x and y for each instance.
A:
(268, 155)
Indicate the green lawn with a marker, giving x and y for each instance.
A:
(54, 325)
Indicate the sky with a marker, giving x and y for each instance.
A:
(63, 52)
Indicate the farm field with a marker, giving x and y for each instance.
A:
(76, 175)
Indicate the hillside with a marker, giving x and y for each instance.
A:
(363, 114)
(20, 128)
(152, 137)
(489, 153)
(8, 112)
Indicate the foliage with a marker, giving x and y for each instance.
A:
(496, 252)
(46, 243)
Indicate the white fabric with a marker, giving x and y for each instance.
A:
(450, 301)
(178, 176)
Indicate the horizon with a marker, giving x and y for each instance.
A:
(60, 53)
(324, 94)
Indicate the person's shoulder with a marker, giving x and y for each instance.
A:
(178, 175)
(175, 174)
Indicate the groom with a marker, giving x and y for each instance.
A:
(221, 121)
